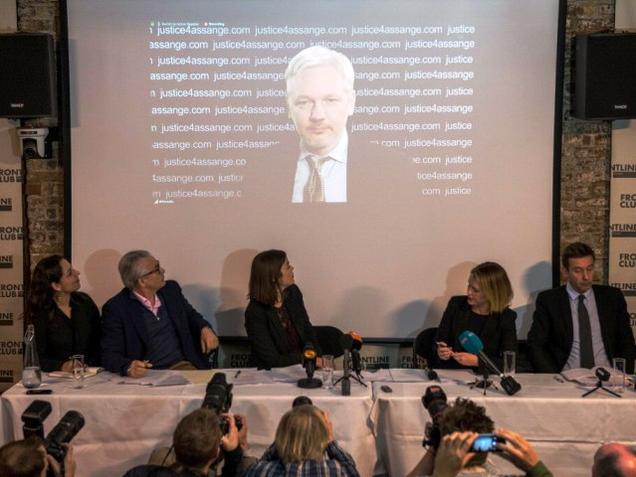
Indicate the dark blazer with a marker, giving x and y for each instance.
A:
(57, 337)
(125, 337)
(550, 336)
(498, 335)
(267, 337)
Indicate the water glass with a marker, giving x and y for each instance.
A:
(31, 377)
(78, 370)
(509, 363)
(327, 371)
(619, 377)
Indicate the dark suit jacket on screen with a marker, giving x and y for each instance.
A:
(550, 336)
(267, 336)
(125, 336)
(498, 334)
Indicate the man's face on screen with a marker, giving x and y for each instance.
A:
(319, 104)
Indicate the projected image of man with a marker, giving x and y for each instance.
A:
(320, 97)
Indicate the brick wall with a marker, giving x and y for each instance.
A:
(585, 161)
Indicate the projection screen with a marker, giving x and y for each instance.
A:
(183, 144)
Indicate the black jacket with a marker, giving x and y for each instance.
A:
(550, 336)
(267, 337)
(57, 337)
(498, 334)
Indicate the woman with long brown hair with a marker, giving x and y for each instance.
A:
(66, 321)
(276, 321)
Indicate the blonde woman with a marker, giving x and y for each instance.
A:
(304, 445)
(484, 310)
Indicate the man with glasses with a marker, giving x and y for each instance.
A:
(150, 324)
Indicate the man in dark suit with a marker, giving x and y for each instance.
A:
(580, 325)
(151, 324)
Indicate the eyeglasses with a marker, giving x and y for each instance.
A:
(157, 269)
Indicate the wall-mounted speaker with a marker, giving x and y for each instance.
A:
(605, 77)
(27, 76)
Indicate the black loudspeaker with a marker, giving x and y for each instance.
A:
(27, 76)
(605, 81)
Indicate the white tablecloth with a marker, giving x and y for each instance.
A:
(124, 422)
(564, 428)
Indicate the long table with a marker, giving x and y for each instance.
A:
(550, 413)
(382, 430)
(125, 422)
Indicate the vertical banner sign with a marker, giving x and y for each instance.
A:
(622, 264)
(11, 272)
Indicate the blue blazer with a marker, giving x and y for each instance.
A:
(125, 337)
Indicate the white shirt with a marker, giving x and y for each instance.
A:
(333, 172)
(600, 356)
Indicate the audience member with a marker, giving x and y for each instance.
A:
(28, 458)
(304, 446)
(276, 321)
(614, 460)
(580, 325)
(484, 310)
(66, 321)
(196, 443)
(151, 324)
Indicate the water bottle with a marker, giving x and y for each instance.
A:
(31, 374)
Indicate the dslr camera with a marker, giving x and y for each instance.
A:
(63, 433)
(218, 398)
(435, 402)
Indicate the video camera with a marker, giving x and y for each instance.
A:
(218, 398)
(435, 402)
(63, 433)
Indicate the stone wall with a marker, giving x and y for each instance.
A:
(585, 162)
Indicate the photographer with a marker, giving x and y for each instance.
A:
(28, 458)
(199, 446)
(459, 426)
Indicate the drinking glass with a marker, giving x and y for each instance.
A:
(619, 379)
(327, 371)
(78, 370)
(510, 364)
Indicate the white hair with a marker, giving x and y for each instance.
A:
(319, 56)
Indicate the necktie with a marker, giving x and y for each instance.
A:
(314, 190)
(585, 335)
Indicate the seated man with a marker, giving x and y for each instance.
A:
(28, 458)
(614, 460)
(197, 441)
(580, 325)
(151, 324)
(459, 426)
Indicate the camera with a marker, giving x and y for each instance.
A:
(218, 398)
(64, 431)
(486, 443)
(435, 402)
(33, 142)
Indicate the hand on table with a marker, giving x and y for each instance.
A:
(466, 359)
(138, 369)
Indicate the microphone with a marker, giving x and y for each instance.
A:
(345, 385)
(356, 340)
(356, 345)
(309, 363)
(471, 343)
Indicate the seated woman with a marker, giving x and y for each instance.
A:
(484, 311)
(276, 321)
(66, 321)
(304, 445)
